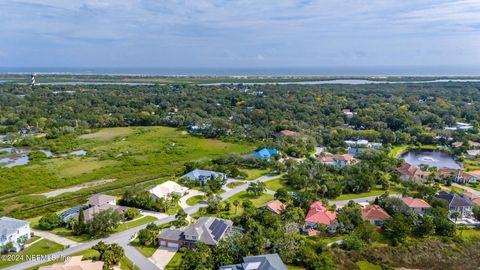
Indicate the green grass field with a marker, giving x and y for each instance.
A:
(175, 262)
(195, 199)
(146, 251)
(128, 155)
(253, 174)
(235, 184)
(365, 265)
(277, 184)
(242, 196)
(397, 151)
(375, 192)
(42, 247)
(67, 233)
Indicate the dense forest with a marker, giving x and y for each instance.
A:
(390, 113)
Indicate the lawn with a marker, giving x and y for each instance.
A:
(375, 192)
(365, 265)
(146, 251)
(471, 165)
(42, 247)
(135, 223)
(397, 151)
(242, 196)
(67, 233)
(175, 262)
(277, 184)
(195, 199)
(234, 184)
(253, 174)
(295, 267)
(128, 155)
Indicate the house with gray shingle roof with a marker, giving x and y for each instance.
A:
(457, 203)
(261, 262)
(13, 231)
(203, 176)
(209, 230)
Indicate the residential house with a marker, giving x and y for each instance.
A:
(472, 154)
(101, 199)
(456, 203)
(475, 175)
(275, 206)
(474, 145)
(260, 262)
(457, 144)
(460, 126)
(209, 230)
(337, 160)
(70, 213)
(374, 214)
(289, 133)
(266, 153)
(89, 213)
(318, 214)
(98, 203)
(203, 176)
(469, 195)
(476, 201)
(348, 113)
(166, 188)
(418, 206)
(411, 172)
(356, 148)
(75, 263)
(457, 176)
(13, 231)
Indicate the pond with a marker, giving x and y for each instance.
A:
(15, 156)
(431, 158)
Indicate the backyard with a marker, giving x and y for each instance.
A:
(42, 247)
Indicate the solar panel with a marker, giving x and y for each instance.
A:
(214, 224)
(219, 231)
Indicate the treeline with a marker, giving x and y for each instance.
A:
(398, 113)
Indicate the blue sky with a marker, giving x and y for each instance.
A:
(238, 33)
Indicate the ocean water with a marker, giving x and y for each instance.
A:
(301, 71)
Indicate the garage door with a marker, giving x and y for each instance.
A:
(163, 243)
(172, 245)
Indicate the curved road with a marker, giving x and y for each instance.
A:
(124, 238)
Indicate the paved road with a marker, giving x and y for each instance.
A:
(55, 238)
(469, 189)
(123, 238)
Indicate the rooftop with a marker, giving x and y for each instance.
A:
(454, 200)
(75, 263)
(374, 212)
(10, 225)
(415, 202)
(261, 262)
(100, 199)
(275, 206)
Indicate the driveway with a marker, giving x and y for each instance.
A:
(191, 193)
(55, 238)
(157, 215)
(162, 256)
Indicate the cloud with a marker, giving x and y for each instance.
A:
(220, 32)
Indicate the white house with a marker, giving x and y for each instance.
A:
(203, 176)
(166, 188)
(13, 231)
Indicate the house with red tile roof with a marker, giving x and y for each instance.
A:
(418, 206)
(289, 133)
(476, 201)
(455, 175)
(374, 214)
(475, 174)
(275, 206)
(411, 172)
(338, 160)
(318, 214)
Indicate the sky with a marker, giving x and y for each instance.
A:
(239, 33)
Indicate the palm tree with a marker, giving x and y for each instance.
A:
(236, 203)
(455, 215)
